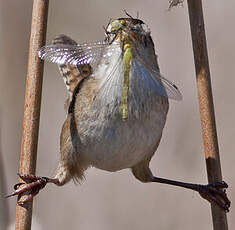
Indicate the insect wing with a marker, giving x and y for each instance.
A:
(88, 53)
(111, 83)
(110, 88)
(163, 86)
(171, 89)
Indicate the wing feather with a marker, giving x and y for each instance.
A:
(72, 75)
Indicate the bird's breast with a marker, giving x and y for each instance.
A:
(105, 139)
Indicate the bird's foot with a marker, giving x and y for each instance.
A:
(30, 187)
(216, 193)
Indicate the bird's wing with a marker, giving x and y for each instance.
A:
(72, 74)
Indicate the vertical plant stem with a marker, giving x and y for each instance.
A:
(206, 105)
(32, 105)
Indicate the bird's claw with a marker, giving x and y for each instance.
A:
(29, 188)
(216, 193)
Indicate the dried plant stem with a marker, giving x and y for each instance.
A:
(32, 105)
(206, 105)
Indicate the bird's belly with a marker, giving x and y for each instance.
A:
(106, 141)
(111, 144)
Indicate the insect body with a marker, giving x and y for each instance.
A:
(117, 27)
(127, 58)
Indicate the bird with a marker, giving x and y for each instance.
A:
(116, 109)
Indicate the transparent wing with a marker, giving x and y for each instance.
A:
(164, 86)
(171, 89)
(87, 53)
(110, 89)
(113, 76)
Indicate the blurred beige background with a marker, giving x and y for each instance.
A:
(118, 201)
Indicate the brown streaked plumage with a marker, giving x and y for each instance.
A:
(72, 75)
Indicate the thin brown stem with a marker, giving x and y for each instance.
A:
(32, 105)
(209, 133)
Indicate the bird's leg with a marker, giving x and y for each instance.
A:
(68, 167)
(32, 184)
(31, 187)
(214, 192)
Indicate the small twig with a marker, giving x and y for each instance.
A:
(175, 3)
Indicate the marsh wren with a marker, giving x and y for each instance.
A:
(117, 109)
